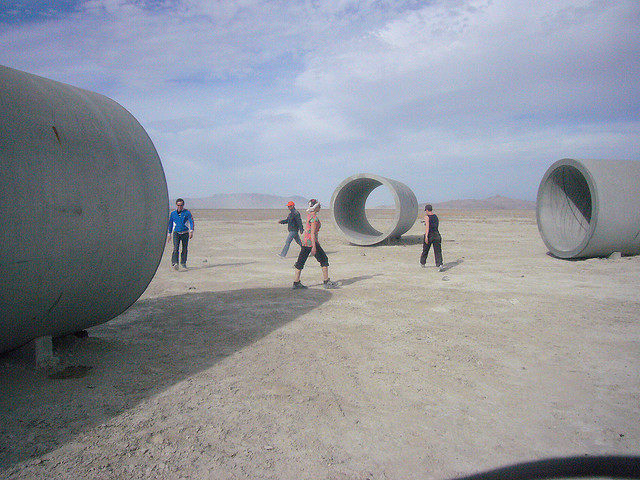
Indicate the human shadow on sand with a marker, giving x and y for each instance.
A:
(352, 280)
(204, 266)
(347, 281)
(449, 265)
(155, 344)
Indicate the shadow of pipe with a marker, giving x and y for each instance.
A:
(154, 345)
(403, 240)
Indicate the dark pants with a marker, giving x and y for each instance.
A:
(293, 235)
(177, 238)
(321, 257)
(437, 251)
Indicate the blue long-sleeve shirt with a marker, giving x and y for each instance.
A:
(178, 221)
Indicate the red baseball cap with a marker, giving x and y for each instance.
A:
(291, 204)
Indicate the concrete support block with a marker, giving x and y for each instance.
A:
(43, 347)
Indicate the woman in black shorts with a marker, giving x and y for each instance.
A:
(311, 246)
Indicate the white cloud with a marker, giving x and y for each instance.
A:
(237, 95)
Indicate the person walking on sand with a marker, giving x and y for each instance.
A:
(431, 237)
(311, 246)
(178, 220)
(294, 225)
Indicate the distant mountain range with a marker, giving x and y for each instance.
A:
(245, 201)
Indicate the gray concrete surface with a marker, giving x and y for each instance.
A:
(84, 206)
(348, 209)
(590, 208)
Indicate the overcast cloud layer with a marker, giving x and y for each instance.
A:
(457, 99)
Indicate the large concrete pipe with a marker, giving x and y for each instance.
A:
(590, 208)
(348, 209)
(84, 205)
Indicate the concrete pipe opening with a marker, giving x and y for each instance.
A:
(589, 208)
(88, 202)
(348, 208)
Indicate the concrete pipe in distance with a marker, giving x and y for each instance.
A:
(84, 204)
(348, 209)
(590, 208)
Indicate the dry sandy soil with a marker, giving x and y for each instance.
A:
(224, 372)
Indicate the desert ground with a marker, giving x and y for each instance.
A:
(224, 372)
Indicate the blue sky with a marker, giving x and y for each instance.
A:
(456, 99)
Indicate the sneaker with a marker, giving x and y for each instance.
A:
(175, 266)
(441, 268)
(330, 284)
(423, 265)
(298, 285)
(184, 265)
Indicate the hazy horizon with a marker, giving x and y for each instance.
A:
(245, 201)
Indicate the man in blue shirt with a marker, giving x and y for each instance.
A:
(178, 220)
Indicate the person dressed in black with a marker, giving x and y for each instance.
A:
(294, 225)
(431, 237)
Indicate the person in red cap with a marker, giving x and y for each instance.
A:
(294, 225)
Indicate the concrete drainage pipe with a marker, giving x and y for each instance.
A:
(590, 208)
(85, 203)
(348, 209)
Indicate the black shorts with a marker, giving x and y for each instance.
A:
(321, 257)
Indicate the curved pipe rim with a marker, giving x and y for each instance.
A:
(545, 217)
(348, 208)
